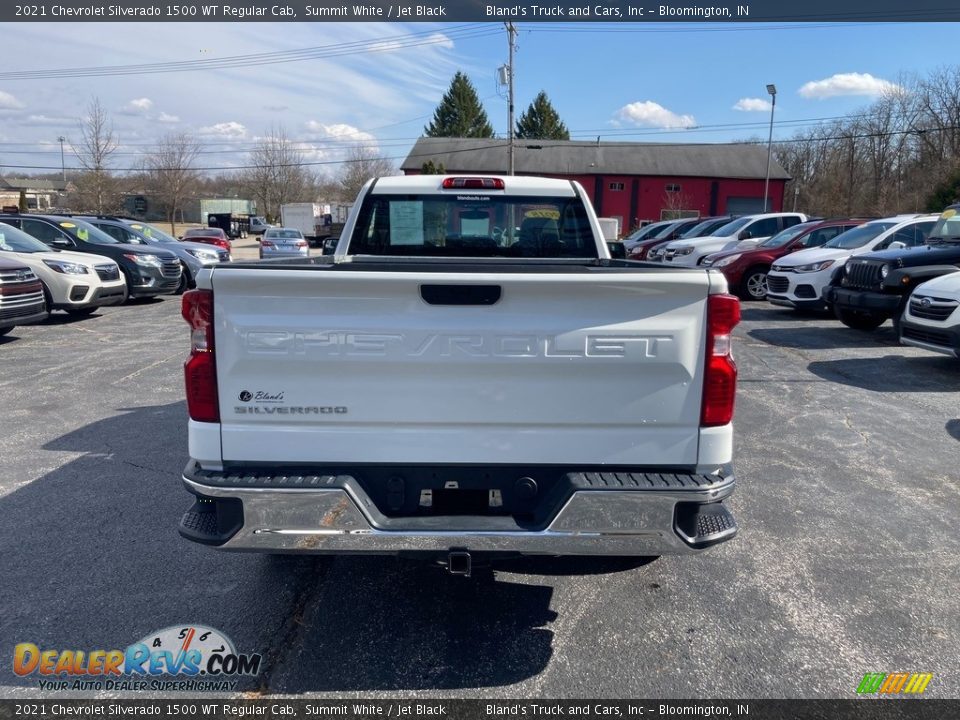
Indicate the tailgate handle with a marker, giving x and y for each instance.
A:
(460, 294)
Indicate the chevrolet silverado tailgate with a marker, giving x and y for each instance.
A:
(328, 365)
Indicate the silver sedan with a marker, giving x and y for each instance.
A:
(283, 242)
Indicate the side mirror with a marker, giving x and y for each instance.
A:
(617, 250)
(896, 245)
(62, 243)
(330, 245)
(745, 235)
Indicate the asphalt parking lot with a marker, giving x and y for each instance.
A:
(846, 454)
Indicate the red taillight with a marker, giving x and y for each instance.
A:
(266, 243)
(720, 378)
(472, 183)
(200, 370)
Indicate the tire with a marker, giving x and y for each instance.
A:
(126, 279)
(859, 321)
(754, 284)
(184, 281)
(81, 312)
(47, 297)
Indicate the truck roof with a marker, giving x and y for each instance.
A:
(514, 185)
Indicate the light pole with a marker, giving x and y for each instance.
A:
(63, 164)
(772, 89)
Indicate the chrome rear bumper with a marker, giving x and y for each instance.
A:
(636, 521)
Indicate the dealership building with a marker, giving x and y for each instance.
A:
(634, 182)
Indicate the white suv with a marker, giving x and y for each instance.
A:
(747, 230)
(799, 279)
(78, 283)
(931, 319)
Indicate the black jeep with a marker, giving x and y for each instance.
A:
(875, 286)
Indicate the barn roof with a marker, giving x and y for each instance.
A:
(573, 157)
(32, 184)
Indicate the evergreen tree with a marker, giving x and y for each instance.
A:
(946, 193)
(460, 113)
(541, 121)
(432, 168)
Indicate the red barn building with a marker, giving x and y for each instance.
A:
(634, 182)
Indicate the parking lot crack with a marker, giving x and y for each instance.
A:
(849, 424)
(151, 469)
(289, 636)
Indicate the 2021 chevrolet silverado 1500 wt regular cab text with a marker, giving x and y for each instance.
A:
(469, 372)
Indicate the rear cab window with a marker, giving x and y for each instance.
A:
(473, 223)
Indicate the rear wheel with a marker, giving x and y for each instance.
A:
(858, 321)
(754, 284)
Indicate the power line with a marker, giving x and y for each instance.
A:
(375, 45)
(306, 144)
(540, 144)
(252, 167)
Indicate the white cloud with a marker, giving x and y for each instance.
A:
(9, 102)
(847, 84)
(139, 105)
(167, 118)
(436, 39)
(752, 105)
(651, 114)
(230, 130)
(339, 132)
(48, 120)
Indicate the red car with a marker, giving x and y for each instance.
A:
(746, 270)
(208, 235)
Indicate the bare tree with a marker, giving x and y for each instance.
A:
(169, 172)
(362, 163)
(676, 204)
(97, 188)
(279, 174)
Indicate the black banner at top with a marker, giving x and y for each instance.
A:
(212, 708)
(630, 11)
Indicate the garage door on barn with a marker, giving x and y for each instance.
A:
(744, 205)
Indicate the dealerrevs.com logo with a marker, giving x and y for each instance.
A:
(204, 659)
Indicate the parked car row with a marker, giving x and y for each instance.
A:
(78, 263)
(904, 268)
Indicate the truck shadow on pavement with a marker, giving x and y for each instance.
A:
(953, 429)
(892, 373)
(92, 559)
(818, 337)
(764, 312)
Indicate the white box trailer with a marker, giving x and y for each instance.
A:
(610, 228)
(317, 221)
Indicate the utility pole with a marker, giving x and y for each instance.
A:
(511, 36)
(63, 164)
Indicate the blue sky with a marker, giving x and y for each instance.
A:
(631, 82)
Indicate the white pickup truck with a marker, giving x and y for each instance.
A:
(470, 372)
